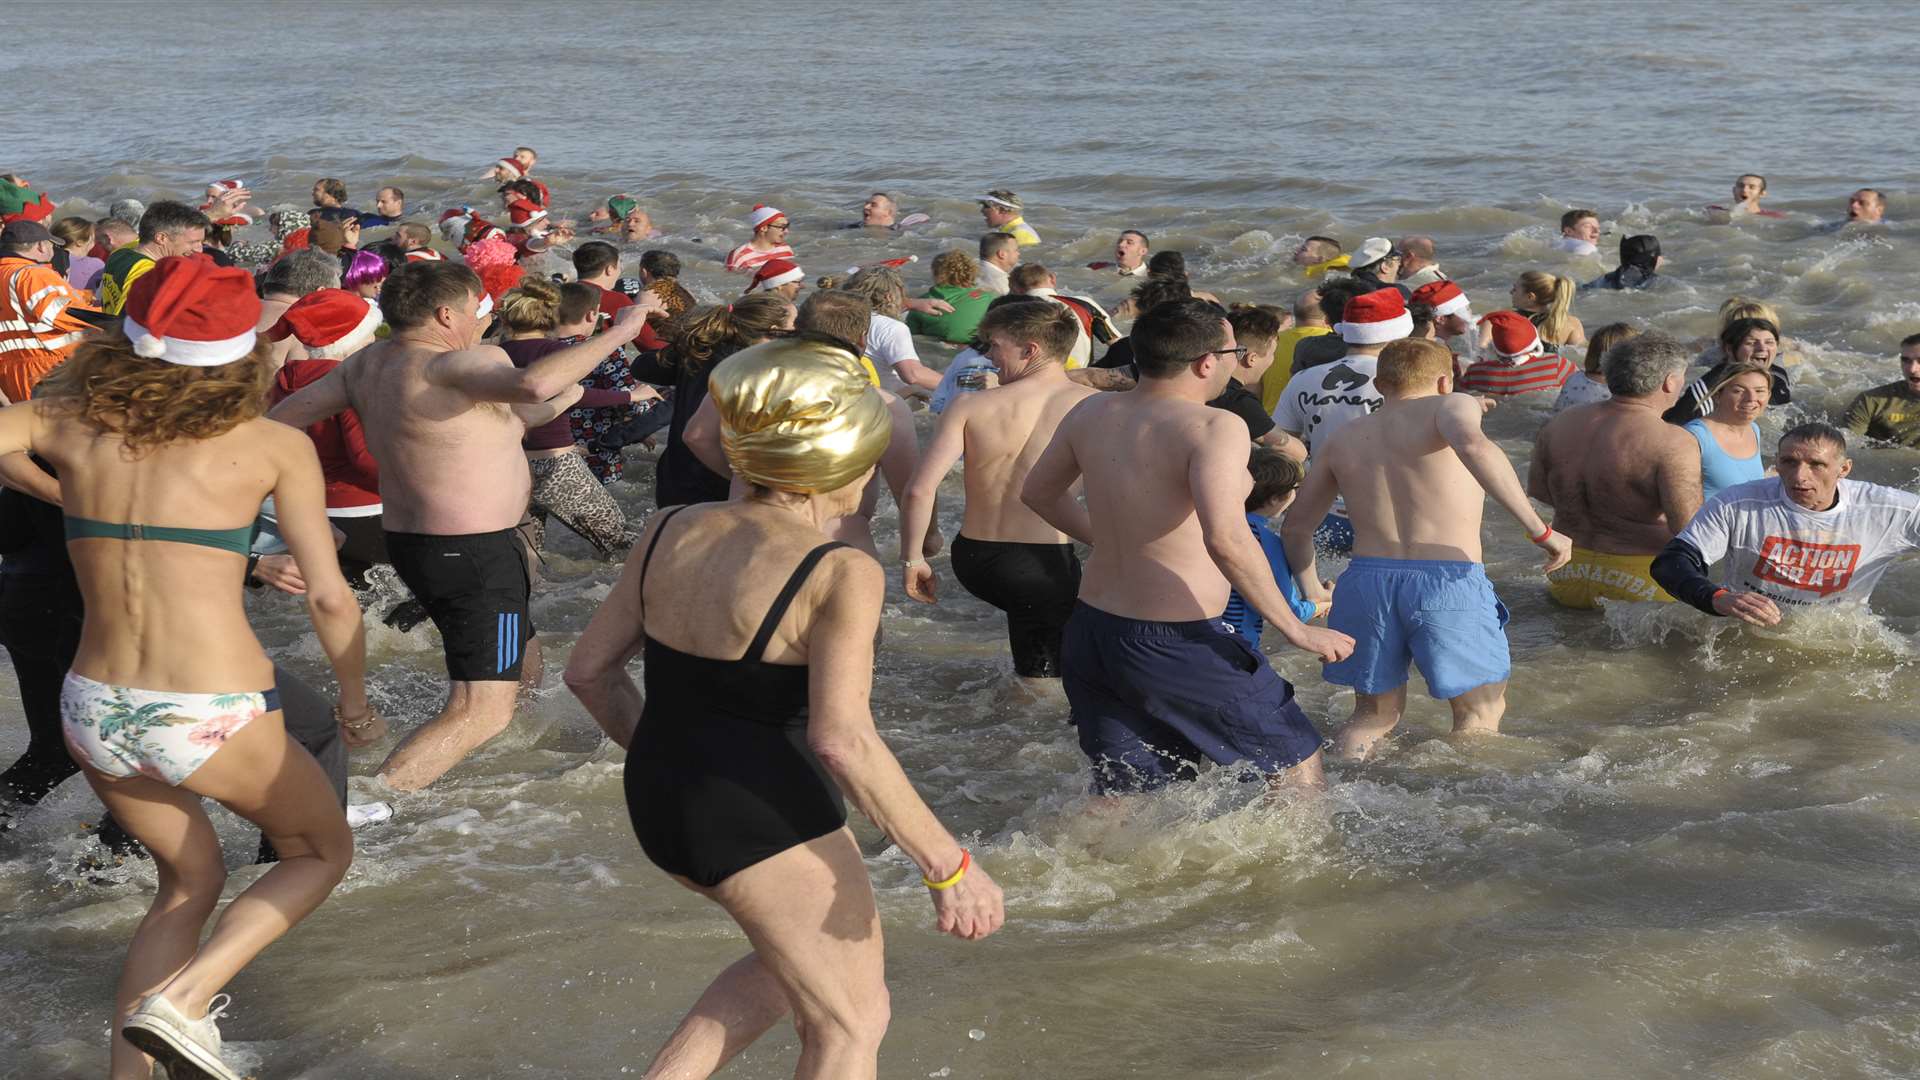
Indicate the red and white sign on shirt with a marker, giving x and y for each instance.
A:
(1793, 555)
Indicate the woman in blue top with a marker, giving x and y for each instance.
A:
(1729, 436)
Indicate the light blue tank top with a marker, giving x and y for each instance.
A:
(1719, 469)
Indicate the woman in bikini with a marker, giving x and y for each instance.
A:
(156, 432)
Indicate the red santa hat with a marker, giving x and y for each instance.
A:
(188, 310)
(1514, 336)
(240, 218)
(331, 323)
(507, 163)
(1375, 318)
(762, 213)
(774, 273)
(1444, 297)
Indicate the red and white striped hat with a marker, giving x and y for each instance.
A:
(189, 310)
(1444, 297)
(774, 273)
(762, 213)
(424, 255)
(331, 323)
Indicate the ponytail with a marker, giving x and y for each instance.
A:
(705, 336)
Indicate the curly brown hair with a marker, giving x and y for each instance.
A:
(150, 403)
(705, 336)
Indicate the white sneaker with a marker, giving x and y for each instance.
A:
(190, 1049)
(361, 815)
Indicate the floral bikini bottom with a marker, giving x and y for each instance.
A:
(163, 734)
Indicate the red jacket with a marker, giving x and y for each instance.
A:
(353, 478)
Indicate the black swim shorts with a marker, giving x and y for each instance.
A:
(1035, 584)
(475, 589)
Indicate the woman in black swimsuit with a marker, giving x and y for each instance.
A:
(758, 635)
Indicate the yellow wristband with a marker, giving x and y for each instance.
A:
(966, 860)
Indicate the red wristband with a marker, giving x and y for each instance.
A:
(1542, 537)
(1717, 594)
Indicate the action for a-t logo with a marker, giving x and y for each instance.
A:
(1824, 569)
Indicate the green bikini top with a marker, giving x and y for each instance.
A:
(239, 541)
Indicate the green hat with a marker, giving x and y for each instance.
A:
(620, 206)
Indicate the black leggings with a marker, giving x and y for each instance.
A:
(1035, 584)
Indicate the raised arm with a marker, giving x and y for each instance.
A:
(597, 669)
(1049, 487)
(485, 374)
(551, 409)
(916, 502)
(1459, 424)
(1217, 475)
(314, 402)
(841, 734)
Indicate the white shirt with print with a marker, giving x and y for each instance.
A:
(1792, 555)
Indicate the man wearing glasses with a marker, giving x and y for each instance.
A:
(1158, 682)
(769, 241)
(1002, 210)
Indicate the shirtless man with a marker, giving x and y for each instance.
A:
(444, 416)
(1621, 481)
(1156, 679)
(1415, 475)
(1005, 554)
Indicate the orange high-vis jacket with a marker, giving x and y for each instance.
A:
(37, 327)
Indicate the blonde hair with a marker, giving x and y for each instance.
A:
(1606, 338)
(73, 232)
(955, 268)
(531, 305)
(1739, 307)
(1410, 363)
(1554, 295)
(1734, 371)
(150, 403)
(883, 287)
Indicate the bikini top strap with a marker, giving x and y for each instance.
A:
(779, 609)
(647, 560)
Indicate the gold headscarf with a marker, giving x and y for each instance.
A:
(798, 415)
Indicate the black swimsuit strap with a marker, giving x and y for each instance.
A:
(780, 603)
(647, 560)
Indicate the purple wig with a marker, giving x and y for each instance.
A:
(367, 268)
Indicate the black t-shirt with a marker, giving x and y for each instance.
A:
(680, 478)
(1245, 404)
(1317, 350)
(1119, 355)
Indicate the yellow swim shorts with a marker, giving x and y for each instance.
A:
(1593, 575)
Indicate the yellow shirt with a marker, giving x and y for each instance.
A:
(1275, 380)
(1021, 232)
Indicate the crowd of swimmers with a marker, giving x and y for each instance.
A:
(201, 411)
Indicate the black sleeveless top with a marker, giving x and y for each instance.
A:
(719, 775)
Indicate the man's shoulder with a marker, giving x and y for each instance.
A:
(1868, 494)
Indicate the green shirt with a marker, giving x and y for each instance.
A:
(124, 267)
(957, 326)
(1889, 413)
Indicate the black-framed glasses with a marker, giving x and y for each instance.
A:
(1239, 354)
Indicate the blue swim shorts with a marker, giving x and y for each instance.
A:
(1153, 699)
(1441, 615)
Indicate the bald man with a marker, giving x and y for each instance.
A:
(1417, 266)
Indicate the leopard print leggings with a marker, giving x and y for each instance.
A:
(565, 488)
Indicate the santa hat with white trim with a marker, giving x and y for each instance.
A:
(239, 218)
(1444, 297)
(332, 323)
(1375, 318)
(524, 213)
(774, 273)
(518, 170)
(1514, 335)
(191, 311)
(762, 213)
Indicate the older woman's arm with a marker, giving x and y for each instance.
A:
(597, 669)
(840, 732)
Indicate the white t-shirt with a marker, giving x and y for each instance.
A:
(888, 343)
(966, 361)
(1321, 400)
(1580, 390)
(993, 279)
(1573, 245)
(1792, 555)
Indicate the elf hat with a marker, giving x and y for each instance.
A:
(331, 323)
(188, 310)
